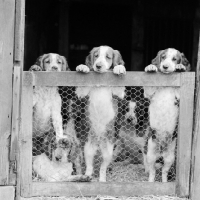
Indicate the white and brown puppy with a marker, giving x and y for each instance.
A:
(102, 108)
(163, 113)
(46, 100)
(53, 171)
(69, 149)
(168, 61)
(131, 139)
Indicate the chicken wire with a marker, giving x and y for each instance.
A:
(131, 135)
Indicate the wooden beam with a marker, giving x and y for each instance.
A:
(25, 141)
(19, 62)
(7, 14)
(105, 189)
(106, 79)
(15, 112)
(195, 172)
(184, 148)
(19, 30)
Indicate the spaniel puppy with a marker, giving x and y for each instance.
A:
(130, 143)
(102, 107)
(46, 100)
(163, 113)
(168, 61)
(69, 149)
(53, 171)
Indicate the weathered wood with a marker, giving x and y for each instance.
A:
(4, 166)
(25, 141)
(96, 79)
(195, 172)
(19, 30)
(15, 112)
(16, 119)
(185, 133)
(19, 62)
(7, 11)
(195, 180)
(106, 189)
(7, 193)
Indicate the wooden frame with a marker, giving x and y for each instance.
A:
(7, 18)
(181, 187)
(195, 172)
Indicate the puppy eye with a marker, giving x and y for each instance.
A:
(108, 57)
(174, 59)
(47, 61)
(59, 62)
(163, 56)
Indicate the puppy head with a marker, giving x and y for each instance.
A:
(103, 58)
(131, 114)
(52, 62)
(166, 60)
(62, 150)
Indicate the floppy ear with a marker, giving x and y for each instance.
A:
(156, 60)
(185, 62)
(89, 61)
(65, 66)
(40, 62)
(117, 58)
(38, 66)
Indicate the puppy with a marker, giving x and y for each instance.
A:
(168, 61)
(70, 148)
(130, 143)
(163, 113)
(102, 107)
(46, 100)
(53, 171)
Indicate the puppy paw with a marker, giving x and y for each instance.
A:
(180, 68)
(35, 68)
(85, 178)
(119, 69)
(82, 68)
(151, 68)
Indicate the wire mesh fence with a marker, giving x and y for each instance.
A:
(95, 126)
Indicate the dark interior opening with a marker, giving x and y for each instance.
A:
(138, 29)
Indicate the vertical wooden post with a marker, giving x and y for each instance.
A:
(185, 133)
(19, 63)
(15, 112)
(25, 137)
(7, 15)
(195, 172)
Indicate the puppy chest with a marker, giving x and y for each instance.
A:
(163, 111)
(101, 108)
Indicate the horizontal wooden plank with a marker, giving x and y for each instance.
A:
(107, 189)
(106, 79)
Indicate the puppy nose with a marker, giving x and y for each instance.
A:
(98, 66)
(54, 68)
(165, 67)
